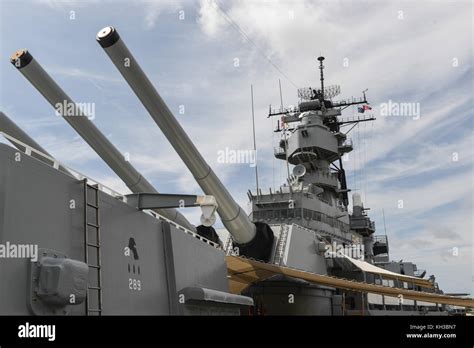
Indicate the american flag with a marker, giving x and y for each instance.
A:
(363, 108)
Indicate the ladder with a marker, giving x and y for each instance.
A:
(281, 244)
(92, 249)
(228, 246)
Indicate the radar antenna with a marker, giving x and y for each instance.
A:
(332, 91)
(321, 67)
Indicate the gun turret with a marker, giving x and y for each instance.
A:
(253, 240)
(40, 79)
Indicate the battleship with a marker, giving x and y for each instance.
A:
(302, 250)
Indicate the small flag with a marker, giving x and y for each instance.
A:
(361, 110)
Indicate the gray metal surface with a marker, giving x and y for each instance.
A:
(301, 250)
(201, 301)
(55, 281)
(282, 296)
(161, 200)
(192, 269)
(50, 90)
(232, 215)
(203, 294)
(164, 265)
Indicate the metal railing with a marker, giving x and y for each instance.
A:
(111, 192)
(347, 142)
(279, 151)
(56, 165)
(298, 213)
(281, 244)
(381, 239)
(419, 272)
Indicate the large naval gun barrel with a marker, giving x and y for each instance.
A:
(253, 240)
(39, 78)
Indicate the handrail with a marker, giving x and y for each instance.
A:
(56, 165)
(111, 192)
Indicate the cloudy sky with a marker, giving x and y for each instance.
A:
(204, 55)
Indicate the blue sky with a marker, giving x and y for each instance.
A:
(402, 51)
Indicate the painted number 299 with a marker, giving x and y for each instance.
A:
(134, 284)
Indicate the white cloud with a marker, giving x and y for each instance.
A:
(71, 152)
(443, 247)
(425, 159)
(78, 73)
(210, 20)
(114, 183)
(153, 9)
